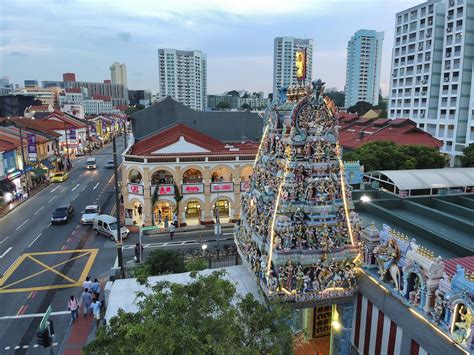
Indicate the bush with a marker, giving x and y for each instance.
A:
(196, 264)
(160, 262)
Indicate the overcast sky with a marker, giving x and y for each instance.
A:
(42, 39)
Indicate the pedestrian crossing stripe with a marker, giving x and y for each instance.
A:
(82, 253)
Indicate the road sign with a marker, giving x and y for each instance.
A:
(44, 321)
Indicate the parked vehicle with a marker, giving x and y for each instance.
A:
(60, 177)
(91, 163)
(62, 214)
(107, 225)
(89, 213)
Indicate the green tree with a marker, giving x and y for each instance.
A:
(162, 261)
(382, 106)
(385, 155)
(134, 108)
(338, 97)
(245, 106)
(223, 105)
(467, 160)
(205, 316)
(361, 108)
(233, 93)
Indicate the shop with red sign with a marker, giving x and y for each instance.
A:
(135, 189)
(222, 187)
(192, 188)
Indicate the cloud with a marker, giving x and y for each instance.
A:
(18, 54)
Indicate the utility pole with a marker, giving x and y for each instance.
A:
(24, 162)
(117, 209)
(125, 134)
(67, 142)
(218, 224)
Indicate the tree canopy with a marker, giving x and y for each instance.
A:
(205, 316)
(361, 108)
(338, 97)
(385, 155)
(246, 106)
(223, 105)
(134, 108)
(233, 93)
(467, 160)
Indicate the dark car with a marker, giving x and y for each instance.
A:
(62, 214)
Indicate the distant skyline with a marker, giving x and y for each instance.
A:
(41, 41)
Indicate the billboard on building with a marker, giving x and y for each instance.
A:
(300, 62)
(32, 153)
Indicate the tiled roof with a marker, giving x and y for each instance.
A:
(173, 134)
(53, 124)
(467, 263)
(36, 125)
(39, 108)
(401, 131)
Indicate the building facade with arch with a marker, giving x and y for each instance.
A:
(181, 173)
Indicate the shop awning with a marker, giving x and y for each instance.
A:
(47, 164)
(39, 171)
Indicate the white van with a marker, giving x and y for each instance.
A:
(91, 163)
(107, 225)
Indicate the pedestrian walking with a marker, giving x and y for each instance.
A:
(172, 229)
(86, 301)
(139, 209)
(73, 307)
(167, 222)
(138, 252)
(95, 288)
(96, 311)
(87, 284)
(159, 217)
(175, 219)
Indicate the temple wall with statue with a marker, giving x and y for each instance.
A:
(428, 300)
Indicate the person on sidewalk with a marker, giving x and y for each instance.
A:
(175, 219)
(86, 301)
(87, 284)
(96, 311)
(167, 222)
(73, 307)
(96, 288)
(172, 229)
(138, 253)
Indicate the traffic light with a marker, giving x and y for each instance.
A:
(43, 338)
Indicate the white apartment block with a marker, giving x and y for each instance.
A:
(364, 58)
(284, 66)
(71, 98)
(118, 74)
(95, 107)
(183, 76)
(432, 72)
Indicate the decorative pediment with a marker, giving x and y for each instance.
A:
(181, 146)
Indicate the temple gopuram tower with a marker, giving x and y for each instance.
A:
(298, 231)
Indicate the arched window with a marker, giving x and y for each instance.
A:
(192, 176)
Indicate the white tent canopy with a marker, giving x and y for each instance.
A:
(419, 179)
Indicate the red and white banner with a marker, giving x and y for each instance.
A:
(244, 185)
(135, 189)
(192, 188)
(375, 333)
(222, 187)
(163, 189)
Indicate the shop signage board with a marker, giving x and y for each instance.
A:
(167, 189)
(192, 188)
(72, 133)
(32, 154)
(135, 189)
(244, 185)
(222, 187)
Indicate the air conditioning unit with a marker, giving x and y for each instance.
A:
(423, 81)
(428, 34)
(446, 78)
(450, 17)
(451, 2)
(448, 54)
(449, 29)
(422, 115)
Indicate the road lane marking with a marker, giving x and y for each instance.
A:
(22, 310)
(39, 209)
(85, 187)
(13, 263)
(7, 348)
(39, 235)
(4, 239)
(5, 253)
(57, 187)
(21, 225)
(49, 225)
(96, 185)
(51, 199)
(76, 197)
(51, 269)
(75, 187)
(35, 315)
(91, 254)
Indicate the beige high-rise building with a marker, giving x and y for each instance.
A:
(118, 73)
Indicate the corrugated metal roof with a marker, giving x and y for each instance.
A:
(418, 179)
(467, 263)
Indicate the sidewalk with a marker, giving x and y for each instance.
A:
(78, 335)
(14, 204)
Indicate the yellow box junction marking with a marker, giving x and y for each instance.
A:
(90, 253)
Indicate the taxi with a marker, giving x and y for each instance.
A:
(60, 177)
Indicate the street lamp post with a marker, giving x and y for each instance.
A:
(67, 142)
(218, 224)
(117, 209)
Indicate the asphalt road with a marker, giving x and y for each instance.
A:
(42, 264)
